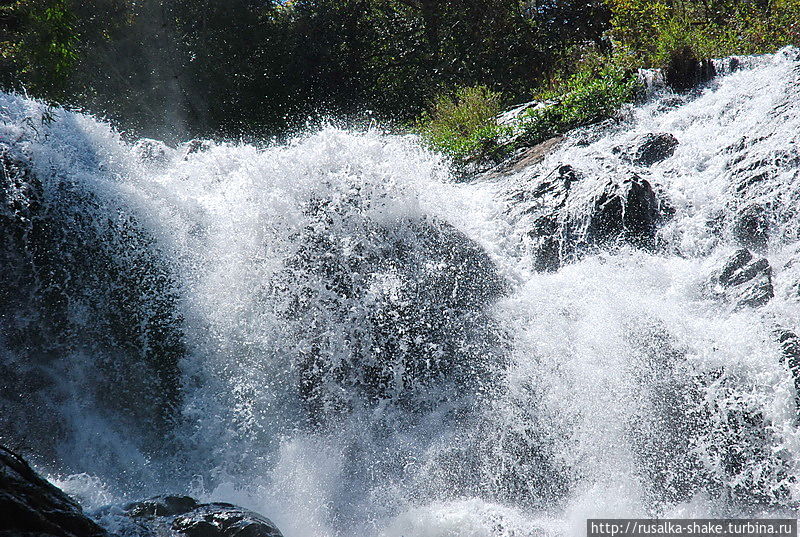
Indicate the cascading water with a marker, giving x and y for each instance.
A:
(337, 334)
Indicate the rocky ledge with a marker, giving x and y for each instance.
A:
(31, 506)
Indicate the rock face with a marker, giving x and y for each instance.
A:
(152, 151)
(751, 227)
(744, 281)
(183, 516)
(65, 249)
(29, 505)
(564, 223)
(417, 290)
(627, 210)
(195, 146)
(525, 157)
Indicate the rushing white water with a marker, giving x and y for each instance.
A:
(335, 333)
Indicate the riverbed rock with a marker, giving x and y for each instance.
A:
(570, 214)
(653, 148)
(525, 157)
(31, 506)
(183, 516)
(790, 356)
(81, 274)
(685, 71)
(152, 151)
(195, 146)
(627, 210)
(743, 280)
(751, 226)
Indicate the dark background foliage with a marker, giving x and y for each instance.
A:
(179, 68)
(175, 69)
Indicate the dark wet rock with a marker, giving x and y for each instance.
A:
(152, 151)
(81, 275)
(195, 146)
(562, 229)
(648, 149)
(417, 291)
(525, 157)
(183, 516)
(31, 506)
(743, 280)
(654, 148)
(549, 237)
(627, 210)
(685, 71)
(223, 520)
(790, 356)
(161, 506)
(751, 227)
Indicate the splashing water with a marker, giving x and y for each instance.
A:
(335, 333)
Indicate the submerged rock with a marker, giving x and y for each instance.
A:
(152, 151)
(627, 210)
(83, 289)
(744, 281)
(790, 356)
(751, 227)
(409, 299)
(525, 157)
(29, 505)
(195, 146)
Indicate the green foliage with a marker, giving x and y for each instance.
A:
(652, 32)
(586, 97)
(174, 69)
(462, 124)
(51, 45)
(178, 68)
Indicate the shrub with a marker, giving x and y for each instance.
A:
(463, 124)
(585, 98)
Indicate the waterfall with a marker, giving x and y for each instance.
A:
(339, 334)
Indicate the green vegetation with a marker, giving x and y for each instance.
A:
(594, 82)
(175, 69)
(650, 32)
(584, 98)
(463, 124)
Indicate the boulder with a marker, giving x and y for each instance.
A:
(653, 148)
(152, 151)
(743, 280)
(76, 250)
(628, 210)
(751, 227)
(525, 157)
(418, 291)
(31, 506)
(564, 222)
(195, 146)
(547, 235)
(685, 71)
(183, 516)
